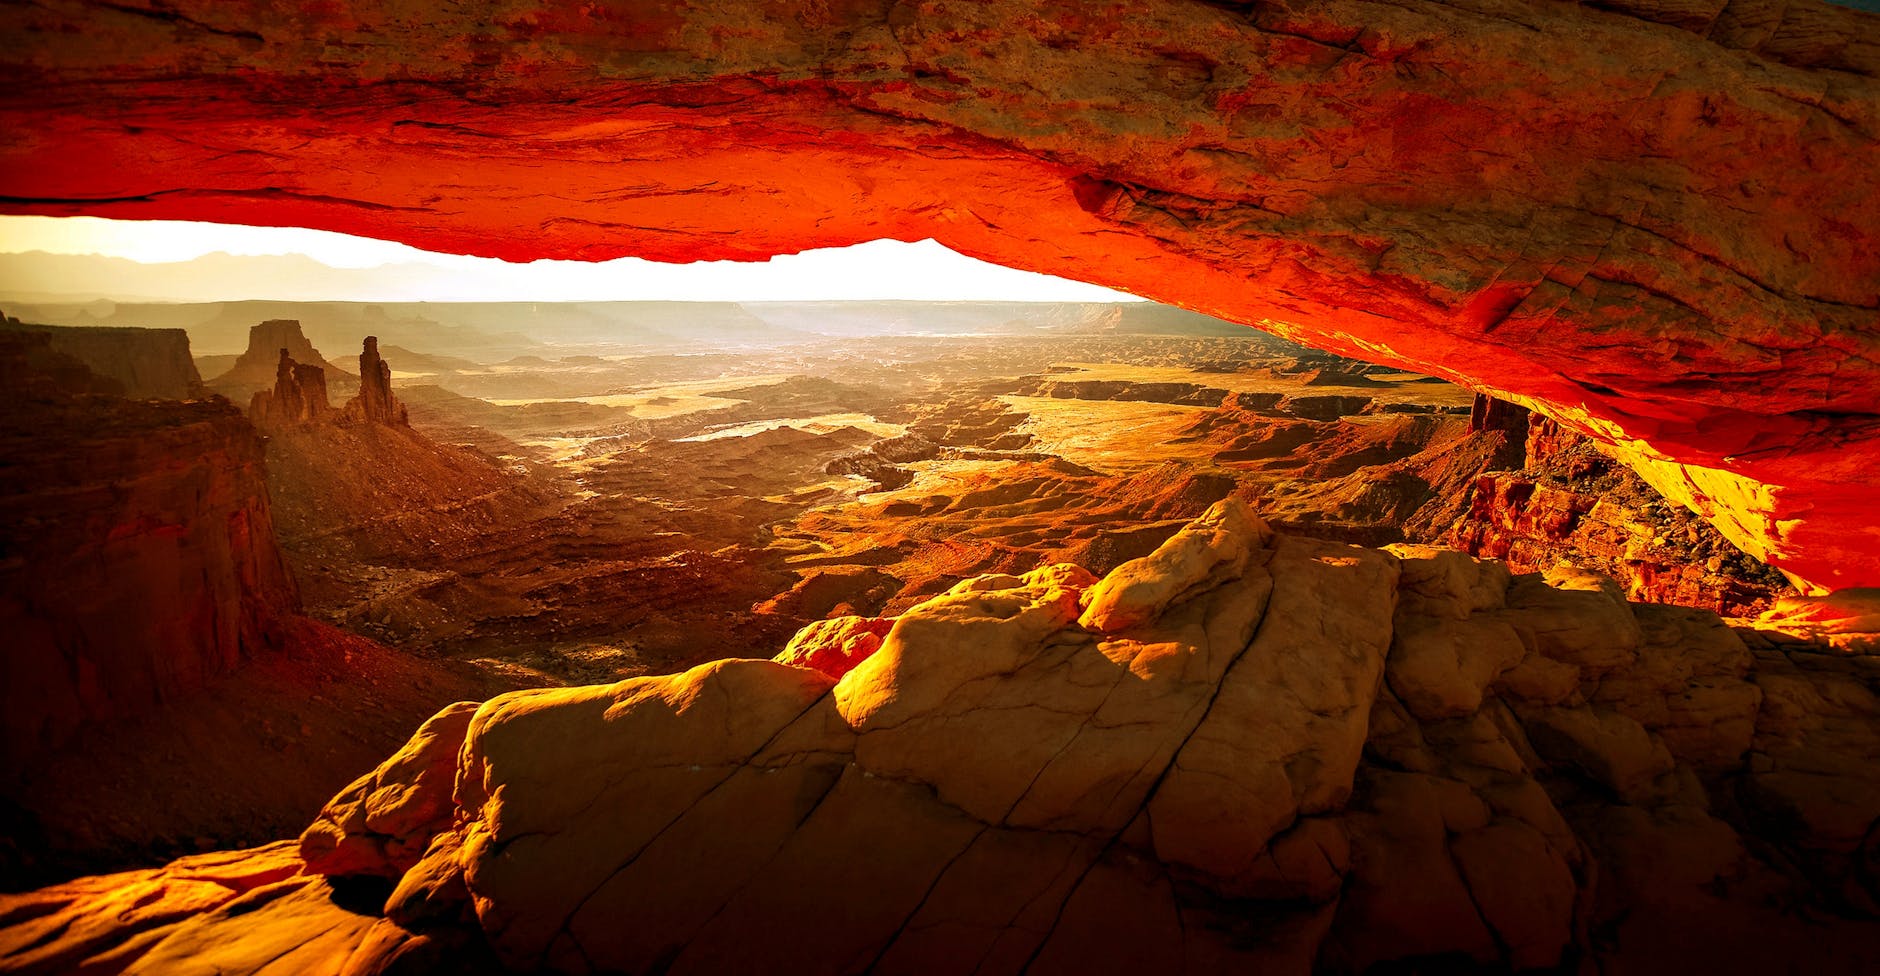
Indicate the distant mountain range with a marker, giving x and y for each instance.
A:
(492, 331)
(221, 328)
(36, 276)
(59, 289)
(873, 270)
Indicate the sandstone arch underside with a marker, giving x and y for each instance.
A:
(1652, 220)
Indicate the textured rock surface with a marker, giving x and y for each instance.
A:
(250, 911)
(298, 397)
(31, 370)
(1648, 220)
(101, 924)
(835, 646)
(375, 402)
(381, 823)
(1300, 757)
(299, 394)
(145, 362)
(1567, 501)
(140, 582)
(140, 557)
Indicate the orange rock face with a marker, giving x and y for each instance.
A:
(298, 397)
(837, 645)
(1649, 221)
(382, 821)
(258, 369)
(1572, 503)
(375, 402)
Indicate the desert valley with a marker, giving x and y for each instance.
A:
(999, 487)
(408, 529)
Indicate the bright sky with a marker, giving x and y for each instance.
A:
(876, 270)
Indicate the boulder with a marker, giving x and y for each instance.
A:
(382, 823)
(835, 646)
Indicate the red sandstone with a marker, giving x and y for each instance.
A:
(142, 556)
(1649, 223)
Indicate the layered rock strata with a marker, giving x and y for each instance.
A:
(32, 371)
(1244, 752)
(258, 367)
(1488, 413)
(1565, 501)
(145, 363)
(137, 554)
(375, 402)
(298, 397)
(1650, 221)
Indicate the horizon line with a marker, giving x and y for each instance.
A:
(48, 255)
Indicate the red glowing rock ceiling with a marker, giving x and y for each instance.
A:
(1654, 223)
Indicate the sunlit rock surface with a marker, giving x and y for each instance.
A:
(375, 402)
(160, 691)
(298, 396)
(1651, 221)
(1245, 752)
(1566, 501)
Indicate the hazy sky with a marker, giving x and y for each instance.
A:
(875, 270)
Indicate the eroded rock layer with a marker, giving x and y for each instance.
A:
(298, 397)
(375, 402)
(1245, 752)
(1651, 221)
(137, 557)
(151, 363)
(1565, 501)
(258, 367)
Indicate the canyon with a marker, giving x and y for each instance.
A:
(950, 545)
(156, 652)
(1646, 221)
(1473, 568)
(113, 508)
(584, 534)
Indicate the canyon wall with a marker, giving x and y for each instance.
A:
(137, 554)
(1650, 221)
(147, 363)
(1562, 499)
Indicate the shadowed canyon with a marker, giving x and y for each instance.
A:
(1473, 568)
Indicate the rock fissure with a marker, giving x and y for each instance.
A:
(894, 937)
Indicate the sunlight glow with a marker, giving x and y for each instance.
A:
(313, 265)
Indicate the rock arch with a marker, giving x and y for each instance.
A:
(1653, 221)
